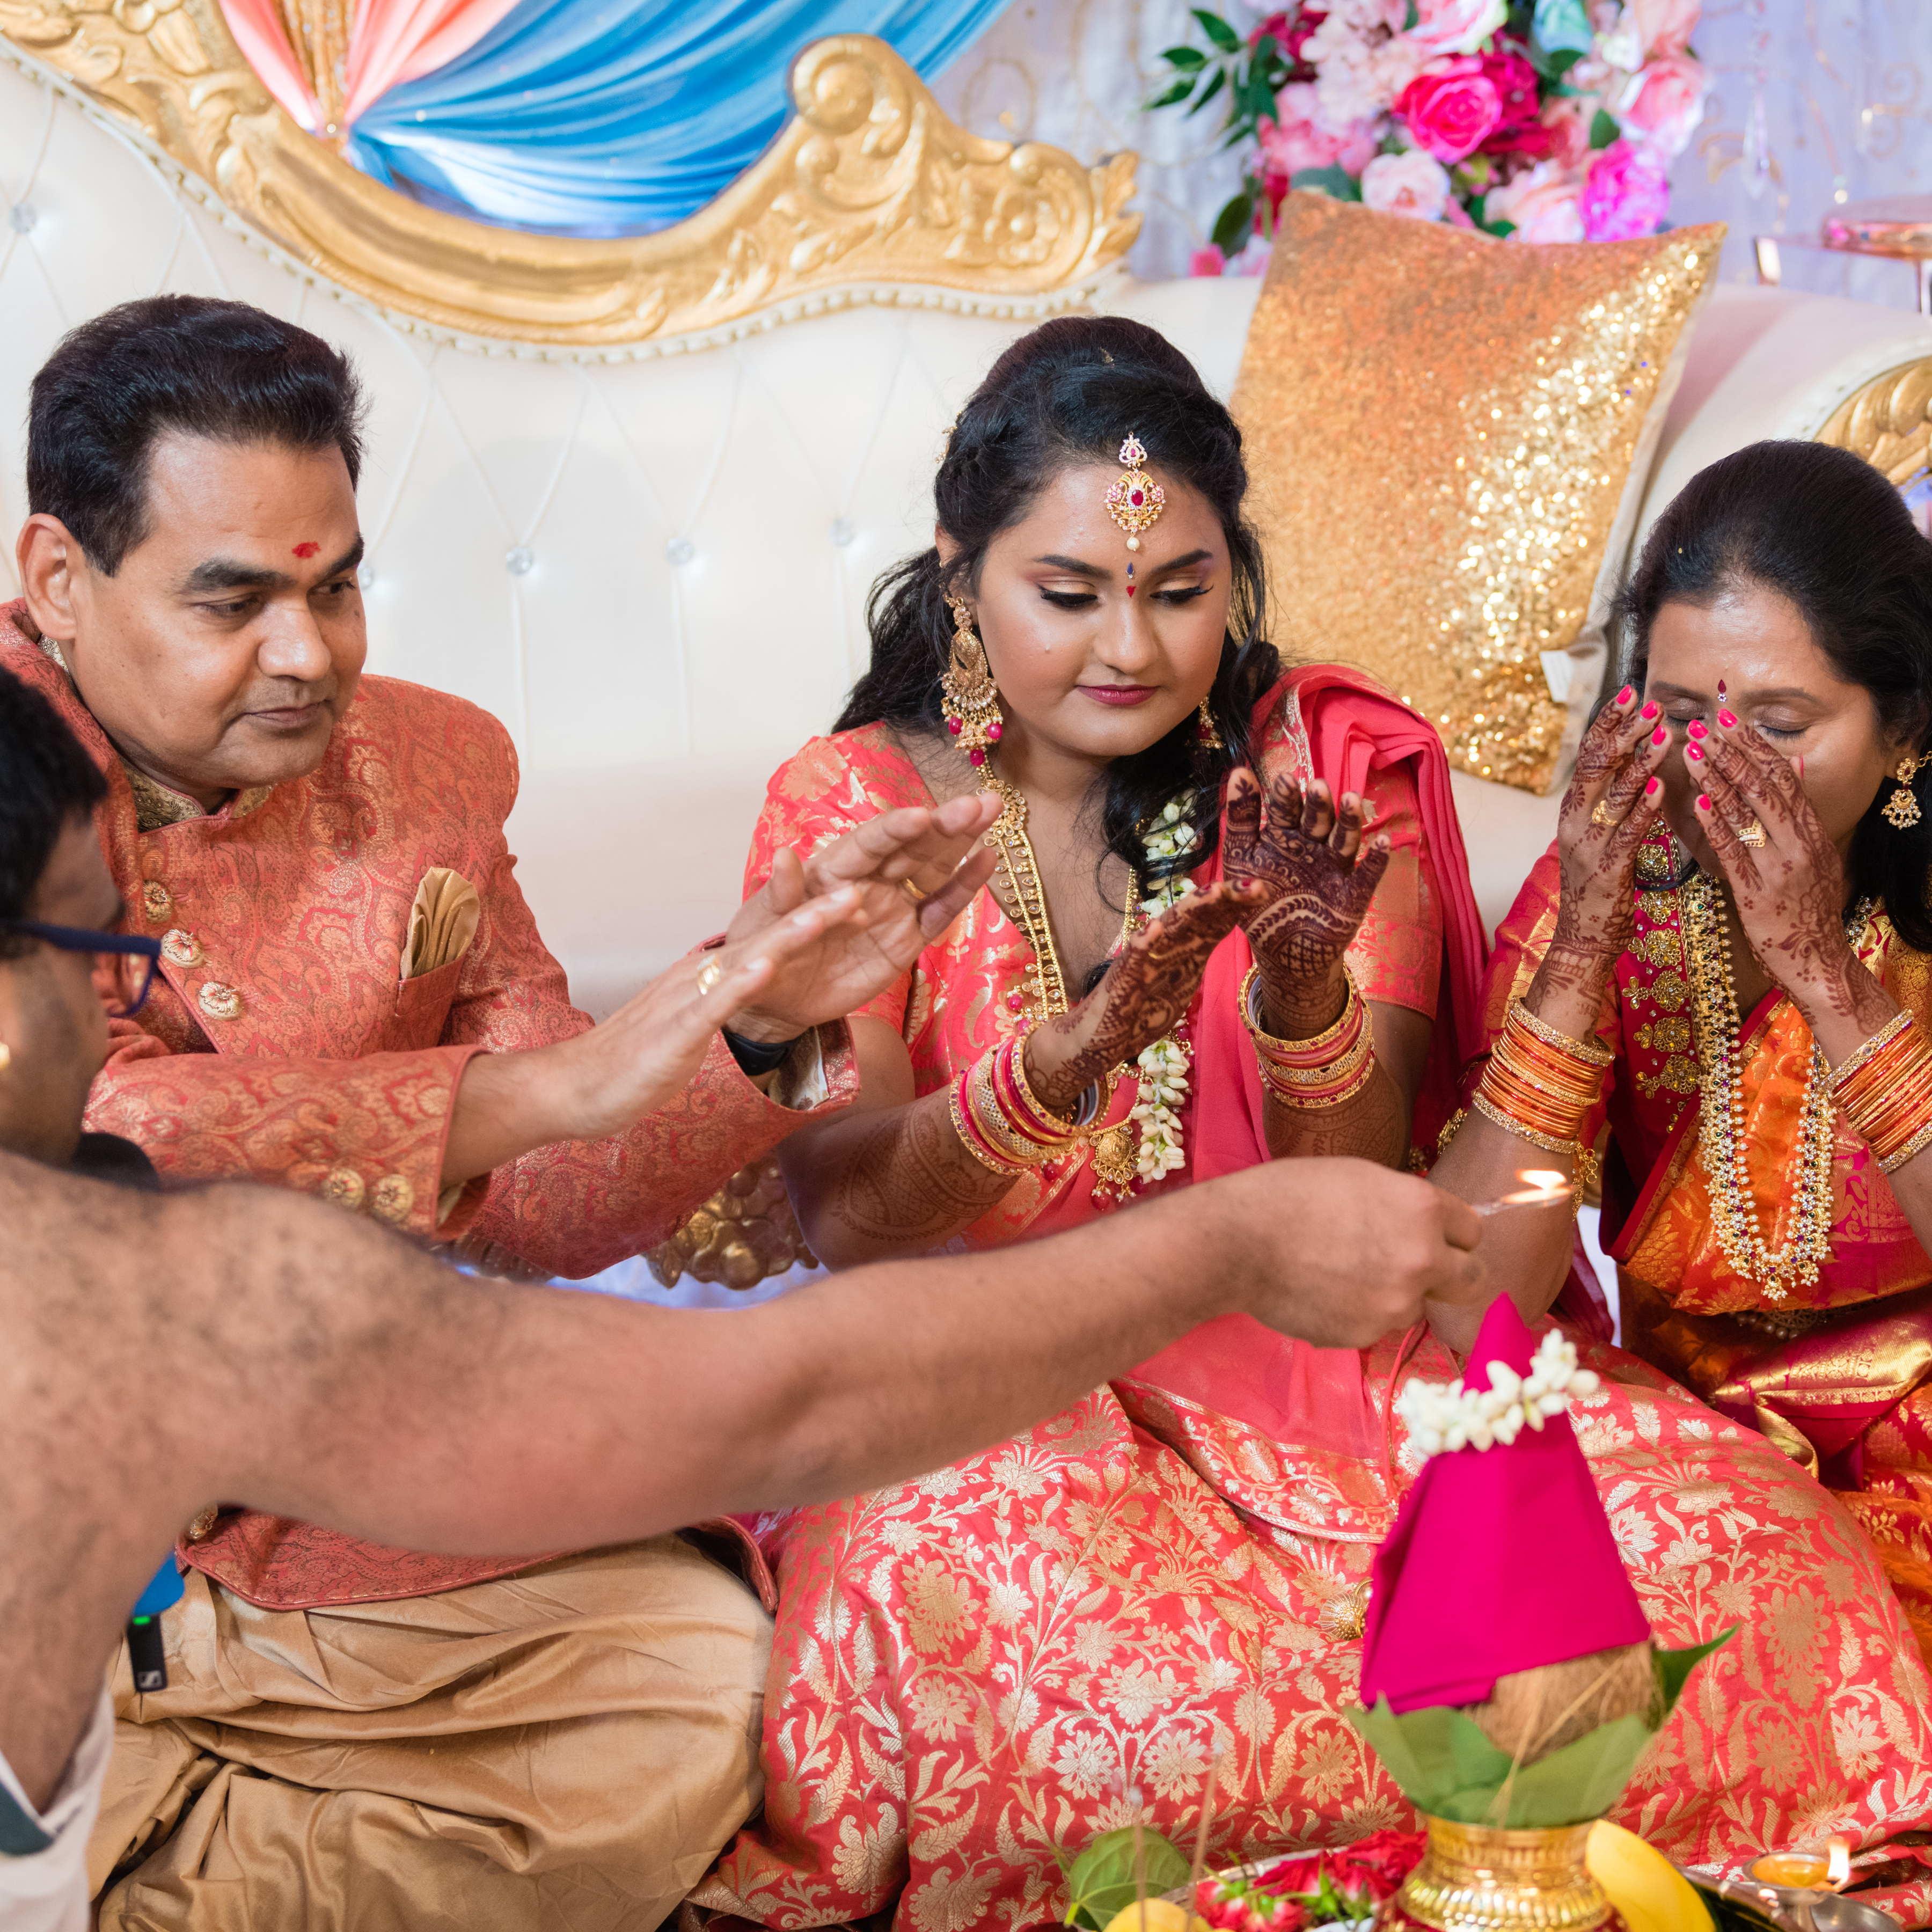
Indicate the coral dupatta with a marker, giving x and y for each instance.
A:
(1289, 1389)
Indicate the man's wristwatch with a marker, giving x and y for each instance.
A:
(758, 1058)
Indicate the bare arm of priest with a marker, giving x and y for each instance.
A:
(258, 1347)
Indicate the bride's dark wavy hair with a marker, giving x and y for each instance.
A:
(1826, 531)
(1070, 392)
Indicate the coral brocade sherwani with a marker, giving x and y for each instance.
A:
(285, 1046)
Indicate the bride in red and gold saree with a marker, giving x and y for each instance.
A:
(1760, 967)
(977, 1671)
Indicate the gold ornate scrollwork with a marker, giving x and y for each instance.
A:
(1889, 422)
(745, 1233)
(870, 184)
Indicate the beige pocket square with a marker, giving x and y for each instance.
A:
(442, 922)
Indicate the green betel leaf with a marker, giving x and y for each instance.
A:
(1673, 1668)
(1426, 1754)
(1100, 1881)
(1581, 1781)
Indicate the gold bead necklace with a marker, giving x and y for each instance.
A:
(1721, 1132)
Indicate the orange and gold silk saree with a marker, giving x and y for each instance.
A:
(1837, 1374)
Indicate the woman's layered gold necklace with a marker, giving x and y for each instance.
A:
(1118, 1155)
(1721, 1130)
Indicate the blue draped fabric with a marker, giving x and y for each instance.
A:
(619, 117)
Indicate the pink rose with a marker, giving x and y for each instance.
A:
(1543, 203)
(1302, 136)
(1626, 193)
(1208, 261)
(1456, 26)
(1413, 184)
(1661, 26)
(1665, 102)
(1451, 107)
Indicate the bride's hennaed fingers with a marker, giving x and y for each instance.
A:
(1732, 854)
(1318, 812)
(1345, 840)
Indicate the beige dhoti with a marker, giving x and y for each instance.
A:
(567, 1748)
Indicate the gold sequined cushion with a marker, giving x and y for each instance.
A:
(1449, 436)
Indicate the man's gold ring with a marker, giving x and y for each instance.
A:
(1752, 834)
(709, 975)
(1603, 815)
(913, 893)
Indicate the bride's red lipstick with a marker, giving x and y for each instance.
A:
(1122, 694)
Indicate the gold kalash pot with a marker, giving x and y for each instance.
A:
(1492, 1878)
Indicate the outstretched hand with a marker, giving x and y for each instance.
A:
(935, 851)
(1146, 993)
(1316, 868)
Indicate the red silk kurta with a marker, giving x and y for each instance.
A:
(281, 1043)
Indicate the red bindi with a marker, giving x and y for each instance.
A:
(307, 549)
(1130, 580)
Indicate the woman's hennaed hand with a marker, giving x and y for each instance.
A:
(1613, 802)
(1317, 866)
(1790, 888)
(1146, 994)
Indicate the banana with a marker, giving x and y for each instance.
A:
(1649, 1893)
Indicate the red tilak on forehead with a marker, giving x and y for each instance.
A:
(307, 549)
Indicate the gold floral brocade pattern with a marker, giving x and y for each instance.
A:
(1442, 430)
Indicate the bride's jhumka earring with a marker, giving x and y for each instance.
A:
(1136, 500)
(970, 697)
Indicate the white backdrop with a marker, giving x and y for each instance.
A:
(1813, 101)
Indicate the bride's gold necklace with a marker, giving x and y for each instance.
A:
(1721, 1133)
(1117, 1155)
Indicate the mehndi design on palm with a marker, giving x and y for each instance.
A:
(1146, 994)
(1317, 872)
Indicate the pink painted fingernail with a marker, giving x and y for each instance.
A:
(1624, 696)
(1691, 752)
(1660, 737)
(1697, 728)
(1655, 786)
(1651, 709)
(1728, 720)
(1703, 802)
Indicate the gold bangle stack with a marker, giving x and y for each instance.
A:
(999, 1119)
(1539, 1083)
(1332, 1066)
(1885, 1090)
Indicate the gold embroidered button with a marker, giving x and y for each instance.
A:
(181, 949)
(219, 1002)
(393, 1198)
(344, 1186)
(157, 901)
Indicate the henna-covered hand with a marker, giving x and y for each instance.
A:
(1317, 872)
(1789, 891)
(1613, 800)
(1146, 993)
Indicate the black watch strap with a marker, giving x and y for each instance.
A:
(757, 1057)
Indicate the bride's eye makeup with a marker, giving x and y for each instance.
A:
(1070, 600)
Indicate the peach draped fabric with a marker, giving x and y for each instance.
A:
(970, 1672)
(390, 41)
(1838, 1375)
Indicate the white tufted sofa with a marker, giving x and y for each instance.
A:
(652, 565)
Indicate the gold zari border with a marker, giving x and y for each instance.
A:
(871, 183)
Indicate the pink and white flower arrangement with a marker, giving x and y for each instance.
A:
(1544, 120)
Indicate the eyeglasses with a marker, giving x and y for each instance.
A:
(123, 962)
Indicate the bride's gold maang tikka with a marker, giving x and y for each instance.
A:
(1136, 500)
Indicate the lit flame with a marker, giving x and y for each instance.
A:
(1543, 1187)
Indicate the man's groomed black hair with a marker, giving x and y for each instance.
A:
(46, 781)
(185, 363)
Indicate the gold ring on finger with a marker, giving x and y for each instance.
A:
(1604, 814)
(1751, 834)
(709, 975)
(913, 893)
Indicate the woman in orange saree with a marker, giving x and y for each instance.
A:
(1167, 1582)
(1775, 918)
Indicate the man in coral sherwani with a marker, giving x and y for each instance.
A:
(356, 1003)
